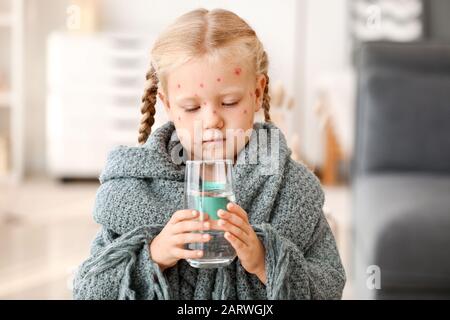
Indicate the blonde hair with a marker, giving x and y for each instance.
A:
(217, 33)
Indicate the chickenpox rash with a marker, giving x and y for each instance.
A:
(218, 79)
(179, 118)
(237, 71)
(214, 111)
(178, 86)
(245, 112)
(201, 85)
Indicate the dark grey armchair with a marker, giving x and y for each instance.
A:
(401, 172)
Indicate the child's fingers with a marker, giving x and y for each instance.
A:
(183, 238)
(186, 214)
(181, 215)
(234, 230)
(237, 243)
(234, 219)
(189, 226)
(204, 216)
(233, 207)
(186, 254)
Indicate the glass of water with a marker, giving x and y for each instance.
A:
(208, 188)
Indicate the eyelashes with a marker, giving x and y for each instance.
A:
(223, 104)
(230, 104)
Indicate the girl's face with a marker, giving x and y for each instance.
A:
(212, 106)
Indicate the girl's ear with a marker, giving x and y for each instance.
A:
(261, 82)
(166, 104)
(162, 97)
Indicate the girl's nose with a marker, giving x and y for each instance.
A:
(212, 117)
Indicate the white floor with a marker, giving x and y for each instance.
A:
(46, 229)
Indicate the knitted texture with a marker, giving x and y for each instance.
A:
(141, 187)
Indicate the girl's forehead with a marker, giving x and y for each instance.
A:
(217, 68)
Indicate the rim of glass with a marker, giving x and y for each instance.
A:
(210, 161)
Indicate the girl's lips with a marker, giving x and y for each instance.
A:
(214, 141)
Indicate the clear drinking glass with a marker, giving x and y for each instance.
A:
(208, 188)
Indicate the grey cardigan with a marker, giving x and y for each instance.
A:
(141, 187)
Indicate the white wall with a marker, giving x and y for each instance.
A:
(41, 17)
(326, 49)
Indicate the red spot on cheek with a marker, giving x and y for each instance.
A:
(179, 86)
(251, 94)
(218, 79)
(179, 118)
(214, 111)
(237, 71)
(201, 85)
(245, 111)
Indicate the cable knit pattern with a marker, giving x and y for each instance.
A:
(141, 187)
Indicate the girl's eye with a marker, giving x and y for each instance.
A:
(230, 104)
(191, 109)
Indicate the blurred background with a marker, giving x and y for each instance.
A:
(360, 88)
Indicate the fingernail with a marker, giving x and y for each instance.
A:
(205, 236)
(194, 213)
(199, 253)
(206, 225)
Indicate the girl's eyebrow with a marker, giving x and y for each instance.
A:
(230, 90)
(186, 99)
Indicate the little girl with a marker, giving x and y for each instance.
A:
(210, 71)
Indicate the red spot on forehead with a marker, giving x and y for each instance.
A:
(237, 71)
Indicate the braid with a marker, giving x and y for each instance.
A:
(262, 65)
(266, 101)
(148, 105)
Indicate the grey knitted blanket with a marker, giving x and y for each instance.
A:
(141, 187)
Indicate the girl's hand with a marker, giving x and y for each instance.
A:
(243, 238)
(169, 245)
